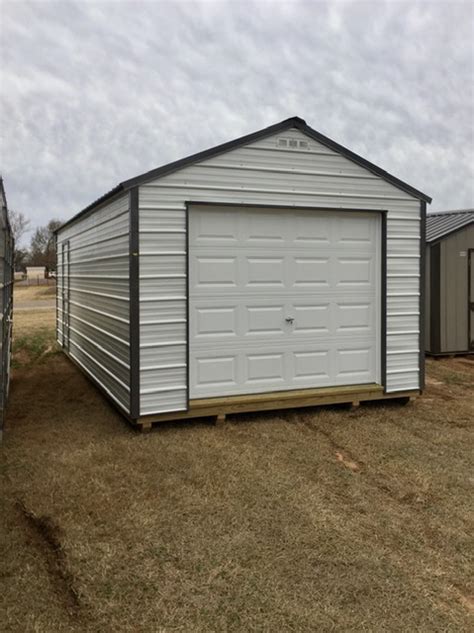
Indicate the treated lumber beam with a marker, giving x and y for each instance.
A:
(216, 408)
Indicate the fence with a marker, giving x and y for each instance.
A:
(6, 302)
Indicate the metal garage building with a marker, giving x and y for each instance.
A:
(449, 298)
(6, 301)
(279, 269)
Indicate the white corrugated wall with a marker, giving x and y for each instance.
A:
(99, 291)
(264, 173)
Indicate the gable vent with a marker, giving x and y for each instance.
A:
(292, 143)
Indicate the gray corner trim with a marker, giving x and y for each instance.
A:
(68, 259)
(188, 367)
(383, 293)
(435, 298)
(57, 288)
(470, 302)
(422, 292)
(134, 305)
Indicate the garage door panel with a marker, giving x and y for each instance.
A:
(259, 228)
(216, 373)
(315, 230)
(310, 272)
(211, 228)
(215, 321)
(355, 230)
(274, 368)
(354, 364)
(351, 317)
(264, 271)
(282, 300)
(266, 368)
(310, 318)
(312, 366)
(212, 271)
(264, 320)
(354, 271)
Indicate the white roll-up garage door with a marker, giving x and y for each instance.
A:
(282, 299)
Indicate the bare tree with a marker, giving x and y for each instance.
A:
(43, 245)
(19, 223)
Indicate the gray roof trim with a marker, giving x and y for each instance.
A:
(444, 223)
(245, 140)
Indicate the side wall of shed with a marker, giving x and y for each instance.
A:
(454, 290)
(96, 287)
(427, 315)
(6, 303)
(264, 173)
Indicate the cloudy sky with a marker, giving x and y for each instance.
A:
(93, 93)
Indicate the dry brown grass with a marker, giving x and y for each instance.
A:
(33, 292)
(30, 321)
(317, 520)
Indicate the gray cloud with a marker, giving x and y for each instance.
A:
(94, 93)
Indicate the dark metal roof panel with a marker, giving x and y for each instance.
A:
(296, 122)
(442, 224)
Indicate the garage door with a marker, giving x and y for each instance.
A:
(282, 299)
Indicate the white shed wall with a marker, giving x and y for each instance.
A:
(263, 173)
(99, 289)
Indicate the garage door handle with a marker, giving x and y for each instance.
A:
(289, 319)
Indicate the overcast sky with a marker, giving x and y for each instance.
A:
(95, 93)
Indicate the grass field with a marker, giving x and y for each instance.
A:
(33, 293)
(312, 520)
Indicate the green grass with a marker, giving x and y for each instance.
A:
(34, 347)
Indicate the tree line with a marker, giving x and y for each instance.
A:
(42, 248)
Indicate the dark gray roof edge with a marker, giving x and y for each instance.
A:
(452, 212)
(93, 206)
(438, 237)
(244, 140)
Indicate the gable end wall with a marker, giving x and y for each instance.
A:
(262, 173)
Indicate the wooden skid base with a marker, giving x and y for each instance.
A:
(220, 407)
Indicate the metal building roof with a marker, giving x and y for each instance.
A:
(243, 140)
(442, 224)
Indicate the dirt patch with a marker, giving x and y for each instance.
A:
(348, 463)
(47, 537)
(468, 602)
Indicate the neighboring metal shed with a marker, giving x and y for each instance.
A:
(276, 270)
(6, 301)
(36, 273)
(449, 296)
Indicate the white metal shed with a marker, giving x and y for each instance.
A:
(276, 270)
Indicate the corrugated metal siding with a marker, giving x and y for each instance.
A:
(262, 173)
(6, 302)
(99, 296)
(438, 225)
(428, 300)
(454, 291)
